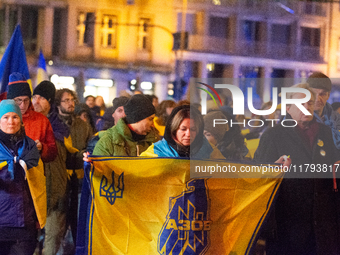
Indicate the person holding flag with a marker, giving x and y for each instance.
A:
(170, 202)
(132, 134)
(18, 210)
(183, 137)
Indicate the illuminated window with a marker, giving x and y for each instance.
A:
(109, 31)
(144, 34)
(85, 28)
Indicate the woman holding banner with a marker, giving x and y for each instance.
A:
(183, 137)
(18, 154)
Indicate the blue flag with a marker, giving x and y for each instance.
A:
(42, 62)
(41, 73)
(13, 60)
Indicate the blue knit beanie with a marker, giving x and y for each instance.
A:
(18, 86)
(9, 105)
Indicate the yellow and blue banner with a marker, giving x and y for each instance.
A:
(136, 205)
(41, 72)
(37, 184)
(14, 60)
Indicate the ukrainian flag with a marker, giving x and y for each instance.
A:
(41, 73)
(14, 60)
(152, 206)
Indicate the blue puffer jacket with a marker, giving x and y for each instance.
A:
(16, 205)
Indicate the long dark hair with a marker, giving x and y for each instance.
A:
(175, 119)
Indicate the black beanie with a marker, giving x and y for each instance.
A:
(138, 108)
(118, 102)
(318, 80)
(18, 86)
(45, 89)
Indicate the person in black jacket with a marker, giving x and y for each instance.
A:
(304, 218)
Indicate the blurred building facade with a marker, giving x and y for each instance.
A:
(107, 46)
(104, 47)
(261, 39)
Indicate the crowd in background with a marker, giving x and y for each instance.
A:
(52, 125)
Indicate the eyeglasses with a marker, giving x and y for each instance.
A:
(20, 101)
(67, 101)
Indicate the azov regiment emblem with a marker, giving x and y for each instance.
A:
(187, 225)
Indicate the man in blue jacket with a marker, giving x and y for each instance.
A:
(323, 111)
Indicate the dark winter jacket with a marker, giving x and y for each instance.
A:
(17, 212)
(304, 219)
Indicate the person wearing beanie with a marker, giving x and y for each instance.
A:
(118, 107)
(9, 106)
(321, 84)
(18, 86)
(55, 171)
(138, 108)
(43, 97)
(20, 207)
(132, 134)
(19, 90)
(37, 126)
(111, 116)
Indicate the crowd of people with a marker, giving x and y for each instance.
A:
(51, 128)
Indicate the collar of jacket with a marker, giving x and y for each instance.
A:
(123, 129)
